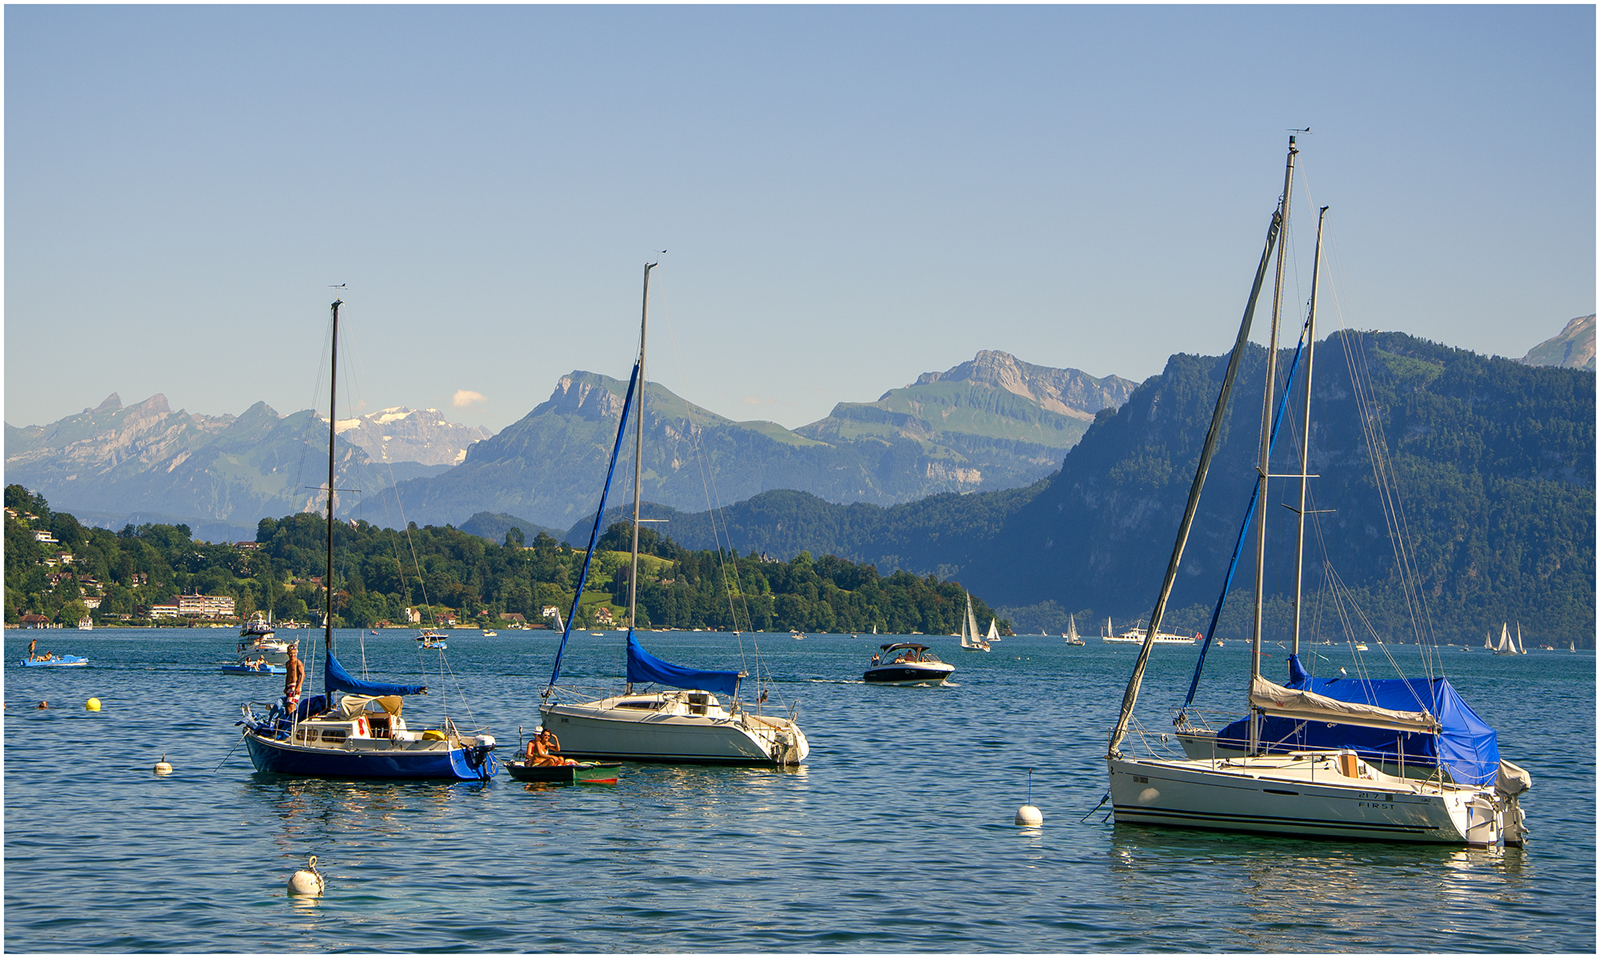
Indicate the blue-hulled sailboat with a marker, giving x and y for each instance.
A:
(684, 721)
(354, 729)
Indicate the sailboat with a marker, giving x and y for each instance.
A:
(1071, 635)
(1508, 645)
(970, 639)
(686, 721)
(354, 729)
(1332, 786)
(1521, 649)
(994, 633)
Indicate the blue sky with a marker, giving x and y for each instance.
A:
(848, 196)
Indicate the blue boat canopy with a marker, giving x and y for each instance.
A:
(336, 679)
(644, 667)
(1465, 746)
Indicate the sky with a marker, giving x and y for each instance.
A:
(847, 197)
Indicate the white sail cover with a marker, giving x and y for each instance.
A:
(1274, 699)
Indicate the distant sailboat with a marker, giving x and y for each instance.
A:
(1508, 645)
(1521, 648)
(1071, 635)
(994, 634)
(970, 639)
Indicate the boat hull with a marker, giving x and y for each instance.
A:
(247, 670)
(285, 758)
(1234, 797)
(60, 661)
(906, 673)
(584, 773)
(593, 730)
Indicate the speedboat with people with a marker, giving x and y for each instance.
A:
(907, 663)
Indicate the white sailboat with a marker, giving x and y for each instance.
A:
(1521, 649)
(685, 721)
(970, 639)
(1508, 645)
(1071, 635)
(1312, 793)
(994, 634)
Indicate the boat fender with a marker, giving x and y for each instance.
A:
(433, 735)
(362, 729)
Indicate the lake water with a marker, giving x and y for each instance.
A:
(896, 836)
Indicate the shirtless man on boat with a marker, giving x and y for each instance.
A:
(294, 675)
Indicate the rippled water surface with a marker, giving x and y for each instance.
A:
(896, 836)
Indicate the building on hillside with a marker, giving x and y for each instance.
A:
(247, 546)
(32, 621)
(205, 606)
(163, 612)
(602, 615)
(414, 616)
(43, 535)
(549, 612)
(515, 618)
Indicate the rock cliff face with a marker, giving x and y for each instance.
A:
(1573, 348)
(1068, 392)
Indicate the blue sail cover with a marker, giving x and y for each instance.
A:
(644, 667)
(336, 679)
(1466, 746)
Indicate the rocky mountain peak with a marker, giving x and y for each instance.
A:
(1070, 392)
(1572, 348)
(112, 404)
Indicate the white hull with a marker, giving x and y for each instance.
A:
(1306, 795)
(1130, 638)
(673, 727)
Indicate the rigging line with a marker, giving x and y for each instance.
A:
(713, 510)
(1386, 477)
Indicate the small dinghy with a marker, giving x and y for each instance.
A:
(50, 658)
(583, 773)
(253, 668)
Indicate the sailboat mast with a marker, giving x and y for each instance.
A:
(1305, 436)
(1130, 695)
(638, 452)
(1266, 437)
(333, 394)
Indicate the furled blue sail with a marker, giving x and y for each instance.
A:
(336, 679)
(1466, 746)
(644, 667)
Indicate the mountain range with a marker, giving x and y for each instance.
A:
(1496, 479)
(115, 464)
(992, 423)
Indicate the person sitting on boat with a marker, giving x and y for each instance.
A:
(294, 675)
(542, 748)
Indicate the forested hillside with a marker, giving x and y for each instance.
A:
(462, 577)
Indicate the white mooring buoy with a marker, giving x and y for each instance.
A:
(307, 881)
(162, 767)
(1029, 816)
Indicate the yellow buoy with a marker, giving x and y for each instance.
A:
(92, 705)
(307, 881)
(162, 767)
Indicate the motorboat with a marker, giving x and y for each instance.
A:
(253, 666)
(257, 637)
(432, 639)
(696, 715)
(907, 663)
